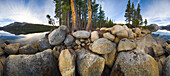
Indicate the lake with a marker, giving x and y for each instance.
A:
(23, 39)
(32, 38)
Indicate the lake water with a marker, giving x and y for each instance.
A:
(32, 38)
(23, 39)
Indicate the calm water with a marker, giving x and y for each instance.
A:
(32, 38)
(23, 39)
(162, 34)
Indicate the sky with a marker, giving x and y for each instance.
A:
(35, 11)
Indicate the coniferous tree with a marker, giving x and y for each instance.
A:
(139, 16)
(128, 13)
(89, 15)
(101, 16)
(74, 15)
(94, 10)
(145, 22)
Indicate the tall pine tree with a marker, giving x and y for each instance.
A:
(128, 13)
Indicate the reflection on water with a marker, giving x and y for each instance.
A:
(23, 39)
(162, 34)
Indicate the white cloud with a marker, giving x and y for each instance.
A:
(32, 12)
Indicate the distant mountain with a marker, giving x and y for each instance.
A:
(153, 27)
(25, 28)
(165, 27)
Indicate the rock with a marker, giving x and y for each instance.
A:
(168, 41)
(94, 36)
(109, 36)
(166, 67)
(2, 63)
(7, 42)
(82, 40)
(69, 40)
(56, 53)
(83, 44)
(12, 48)
(67, 62)
(116, 29)
(27, 49)
(40, 64)
(158, 50)
(122, 34)
(125, 27)
(78, 42)
(136, 63)
(3, 45)
(102, 46)
(88, 63)
(63, 27)
(153, 27)
(126, 45)
(138, 32)
(130, 34)
(116, 40)
(81, 34)
(161, 62)
(56, 37)
(43, 44)
(110, 57)
(1, 51)
(168, 49)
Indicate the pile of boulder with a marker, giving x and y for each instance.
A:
(115, 51)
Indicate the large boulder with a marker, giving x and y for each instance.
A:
(110, 57)
(67, 62)
(2, 63)
(81, 34)
(138, 32)
(102, 46)
(158, 50)
(135, 63)
(117, 28)
(69, 40)
(109, 36)
(166, 67)
(1, 51)
(168, 49)
(56, 37)
(126, 45)
(43, 44)
(12, 48)
(40, 64)
(168, 41)
(94, 36)
(27, 49)
(88, 63)
(122, 34)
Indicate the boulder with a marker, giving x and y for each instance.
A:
(43, 44)
(122, 34)
(1, 51)
(89, 64)
(135, 63)
(138, 32)
(2, 63)
(56, 37)
(168, 41)
(40, 64)
(158, 50)
(102, 46)
(125, 27)
(166, 67)
(168, 49)
(109, 36)
(3, 45)
(126, 45)
(7, 42)
(94, 36)
(116, 29)
(69, 40)
(81, 34)
(110, 57)
(78, 42)
(130, 34)
(63, 27)
(67, 62)
(12, 48)
(117, 40)
(27, 49)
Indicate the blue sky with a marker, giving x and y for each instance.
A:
(34, 11)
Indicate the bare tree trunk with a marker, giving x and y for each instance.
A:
(79, 15)
(89, 15)
(85, 15)
(74, 15)
(68, 15)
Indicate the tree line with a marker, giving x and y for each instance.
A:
(80, 14)
(133, 16)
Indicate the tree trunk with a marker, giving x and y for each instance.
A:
(85, 14)
(74, 15)
(68, 15)
(89, 15)
(79, 15)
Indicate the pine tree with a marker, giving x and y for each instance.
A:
(74, 15)
(139, 16)
(94, 10)
(128, 13)
(101, 16)
(145, 22)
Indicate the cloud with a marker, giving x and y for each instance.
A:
(32, 11)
